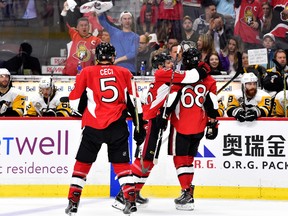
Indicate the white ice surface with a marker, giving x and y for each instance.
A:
(156, 207)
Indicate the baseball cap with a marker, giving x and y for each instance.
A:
(4, 71)
(187, 17)
(269, 35)
(124, 13)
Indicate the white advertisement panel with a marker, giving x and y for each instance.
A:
(43, 152)
(244, 154)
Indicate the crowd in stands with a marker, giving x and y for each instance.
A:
(219, 29)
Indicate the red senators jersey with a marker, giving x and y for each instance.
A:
(106, 87)
(82, 48)
(245, 14)
(190, 117)
(159, 90)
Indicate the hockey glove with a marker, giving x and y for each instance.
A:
(11, 112)
(4, 106)
(239, 114)
(49, 113)
(139, 136)
(161, 122)
(251, 115)
(212, 130)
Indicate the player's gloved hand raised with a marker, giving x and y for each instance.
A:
(239, 114)
(212, 130)
(139, 136)
(251, 115)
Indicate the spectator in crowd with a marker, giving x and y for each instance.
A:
(125, 41)
(258, 70)
(279, 22)
(189, 38)
(267, 18)
(216, 64)
(192, 8)
(247, 23)
(269, 44)
(206, 46)
(144, 53)
(48, 101)
(201, 24)
(164, 32)
(274, 80)
(12, 100)
(24, 63)
(173, 53)
(230, 53)
(226, 8)
(218, 32)
(82, 51)
(105, 36)
(146, 22)
(248, 103)
(106, 113)
(171, 11)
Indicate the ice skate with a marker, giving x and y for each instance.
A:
(186, 201)
(72, 208)
(141, 201)
(130, 207)
(119, 202)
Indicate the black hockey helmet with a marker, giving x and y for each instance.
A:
(160, 59)
(191, 57)
(105, 52)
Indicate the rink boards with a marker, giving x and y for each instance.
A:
(246, 160)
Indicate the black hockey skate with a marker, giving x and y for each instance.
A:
(130, 207)
(130, 204)
(72, 208)
(140, 200)
(186, 200)
(119, 202)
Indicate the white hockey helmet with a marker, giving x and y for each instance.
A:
(249, 77)
(4, 71)
(45, 82)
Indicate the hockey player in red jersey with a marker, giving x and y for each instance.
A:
(153, 110)
(196, 110)
(109, 93)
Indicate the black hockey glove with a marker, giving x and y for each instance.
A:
(212, 130)
(161, 122)
(11, 112)
(49, 113)
(240, 114)
(139, 136)
(251, 115)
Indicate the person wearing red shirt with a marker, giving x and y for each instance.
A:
(109, 93)
(83, 46)
(153, 112)
(247, 22)
(197, 109)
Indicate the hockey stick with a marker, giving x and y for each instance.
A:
(143, 169)
(238, 72)
(51, 86)
(160, 135)
(285, 87)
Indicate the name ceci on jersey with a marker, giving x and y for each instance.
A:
(106, 71)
